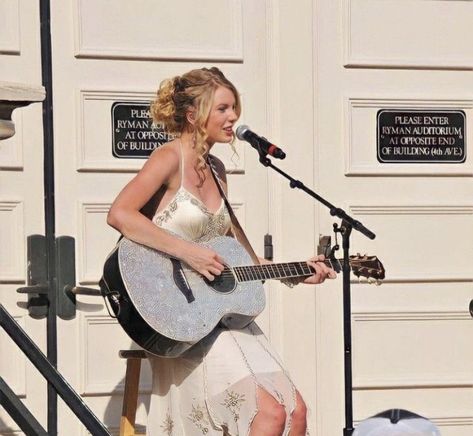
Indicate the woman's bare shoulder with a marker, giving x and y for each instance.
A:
(165, 158)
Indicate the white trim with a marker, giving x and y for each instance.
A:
(385, 169)
(234, 53)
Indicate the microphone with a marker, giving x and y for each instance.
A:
(259, 142)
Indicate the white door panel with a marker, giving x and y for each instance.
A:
(313, 78)
(409, 335)
(100, 58)
(21, 206)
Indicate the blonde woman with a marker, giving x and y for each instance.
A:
(232, 382)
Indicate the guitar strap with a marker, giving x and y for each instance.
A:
(236, 227)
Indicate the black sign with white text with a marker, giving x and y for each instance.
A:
(133, 133)
(421, 136)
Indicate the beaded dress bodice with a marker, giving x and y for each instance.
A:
(187, 216)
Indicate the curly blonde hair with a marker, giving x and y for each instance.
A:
(195, 91)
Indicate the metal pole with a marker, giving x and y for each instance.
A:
(346, 232)
(49, 209)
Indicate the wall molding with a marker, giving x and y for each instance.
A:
(11, 150)
(416, 209)
(111, 164)
(12, 44)
(375, 103)
(20, 386)
(452, 315)
(14, 272)
(453, 421)
(353, 60)
(233, 53)
(444, 421)
(86, 208)
(94, 389)
(410, 381)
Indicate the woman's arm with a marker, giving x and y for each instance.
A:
(125, 215)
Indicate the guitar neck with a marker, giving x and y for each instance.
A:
(278, 271)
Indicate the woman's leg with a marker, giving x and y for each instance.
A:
(299, 417)
(271, 417)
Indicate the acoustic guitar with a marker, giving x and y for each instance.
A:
(166, 307)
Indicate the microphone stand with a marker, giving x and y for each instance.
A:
(345, 229)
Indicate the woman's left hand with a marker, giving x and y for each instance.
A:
(322, 271)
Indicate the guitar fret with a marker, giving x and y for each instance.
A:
(306, 269)
(247, 273)
(289, 269)
(238, 274)
(292, 269)
(267, 273)
(257, 271)
(280, 270)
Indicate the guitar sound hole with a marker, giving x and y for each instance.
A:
(224, 283)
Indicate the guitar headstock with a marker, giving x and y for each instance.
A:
(367, 266)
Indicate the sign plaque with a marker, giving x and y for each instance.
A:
(421, 136)
(134, 135)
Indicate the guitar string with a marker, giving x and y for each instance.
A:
(268, 271)
(249, 273)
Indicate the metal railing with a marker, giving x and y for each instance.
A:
(15, 407)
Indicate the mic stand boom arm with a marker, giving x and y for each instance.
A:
(345, 229)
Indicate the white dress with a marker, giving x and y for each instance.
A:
(212, 388)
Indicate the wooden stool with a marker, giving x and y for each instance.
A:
(130, 395)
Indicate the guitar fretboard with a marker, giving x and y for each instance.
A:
(275, 271)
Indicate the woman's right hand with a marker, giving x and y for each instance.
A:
(204, 260)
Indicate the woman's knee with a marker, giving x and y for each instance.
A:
(299, 414)
(274, 414)
(270, 411)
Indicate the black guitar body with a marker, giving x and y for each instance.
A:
(135, 326)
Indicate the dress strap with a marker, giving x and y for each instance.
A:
(181, 163)
(236, 227)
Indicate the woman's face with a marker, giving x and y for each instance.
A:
(222, 116)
